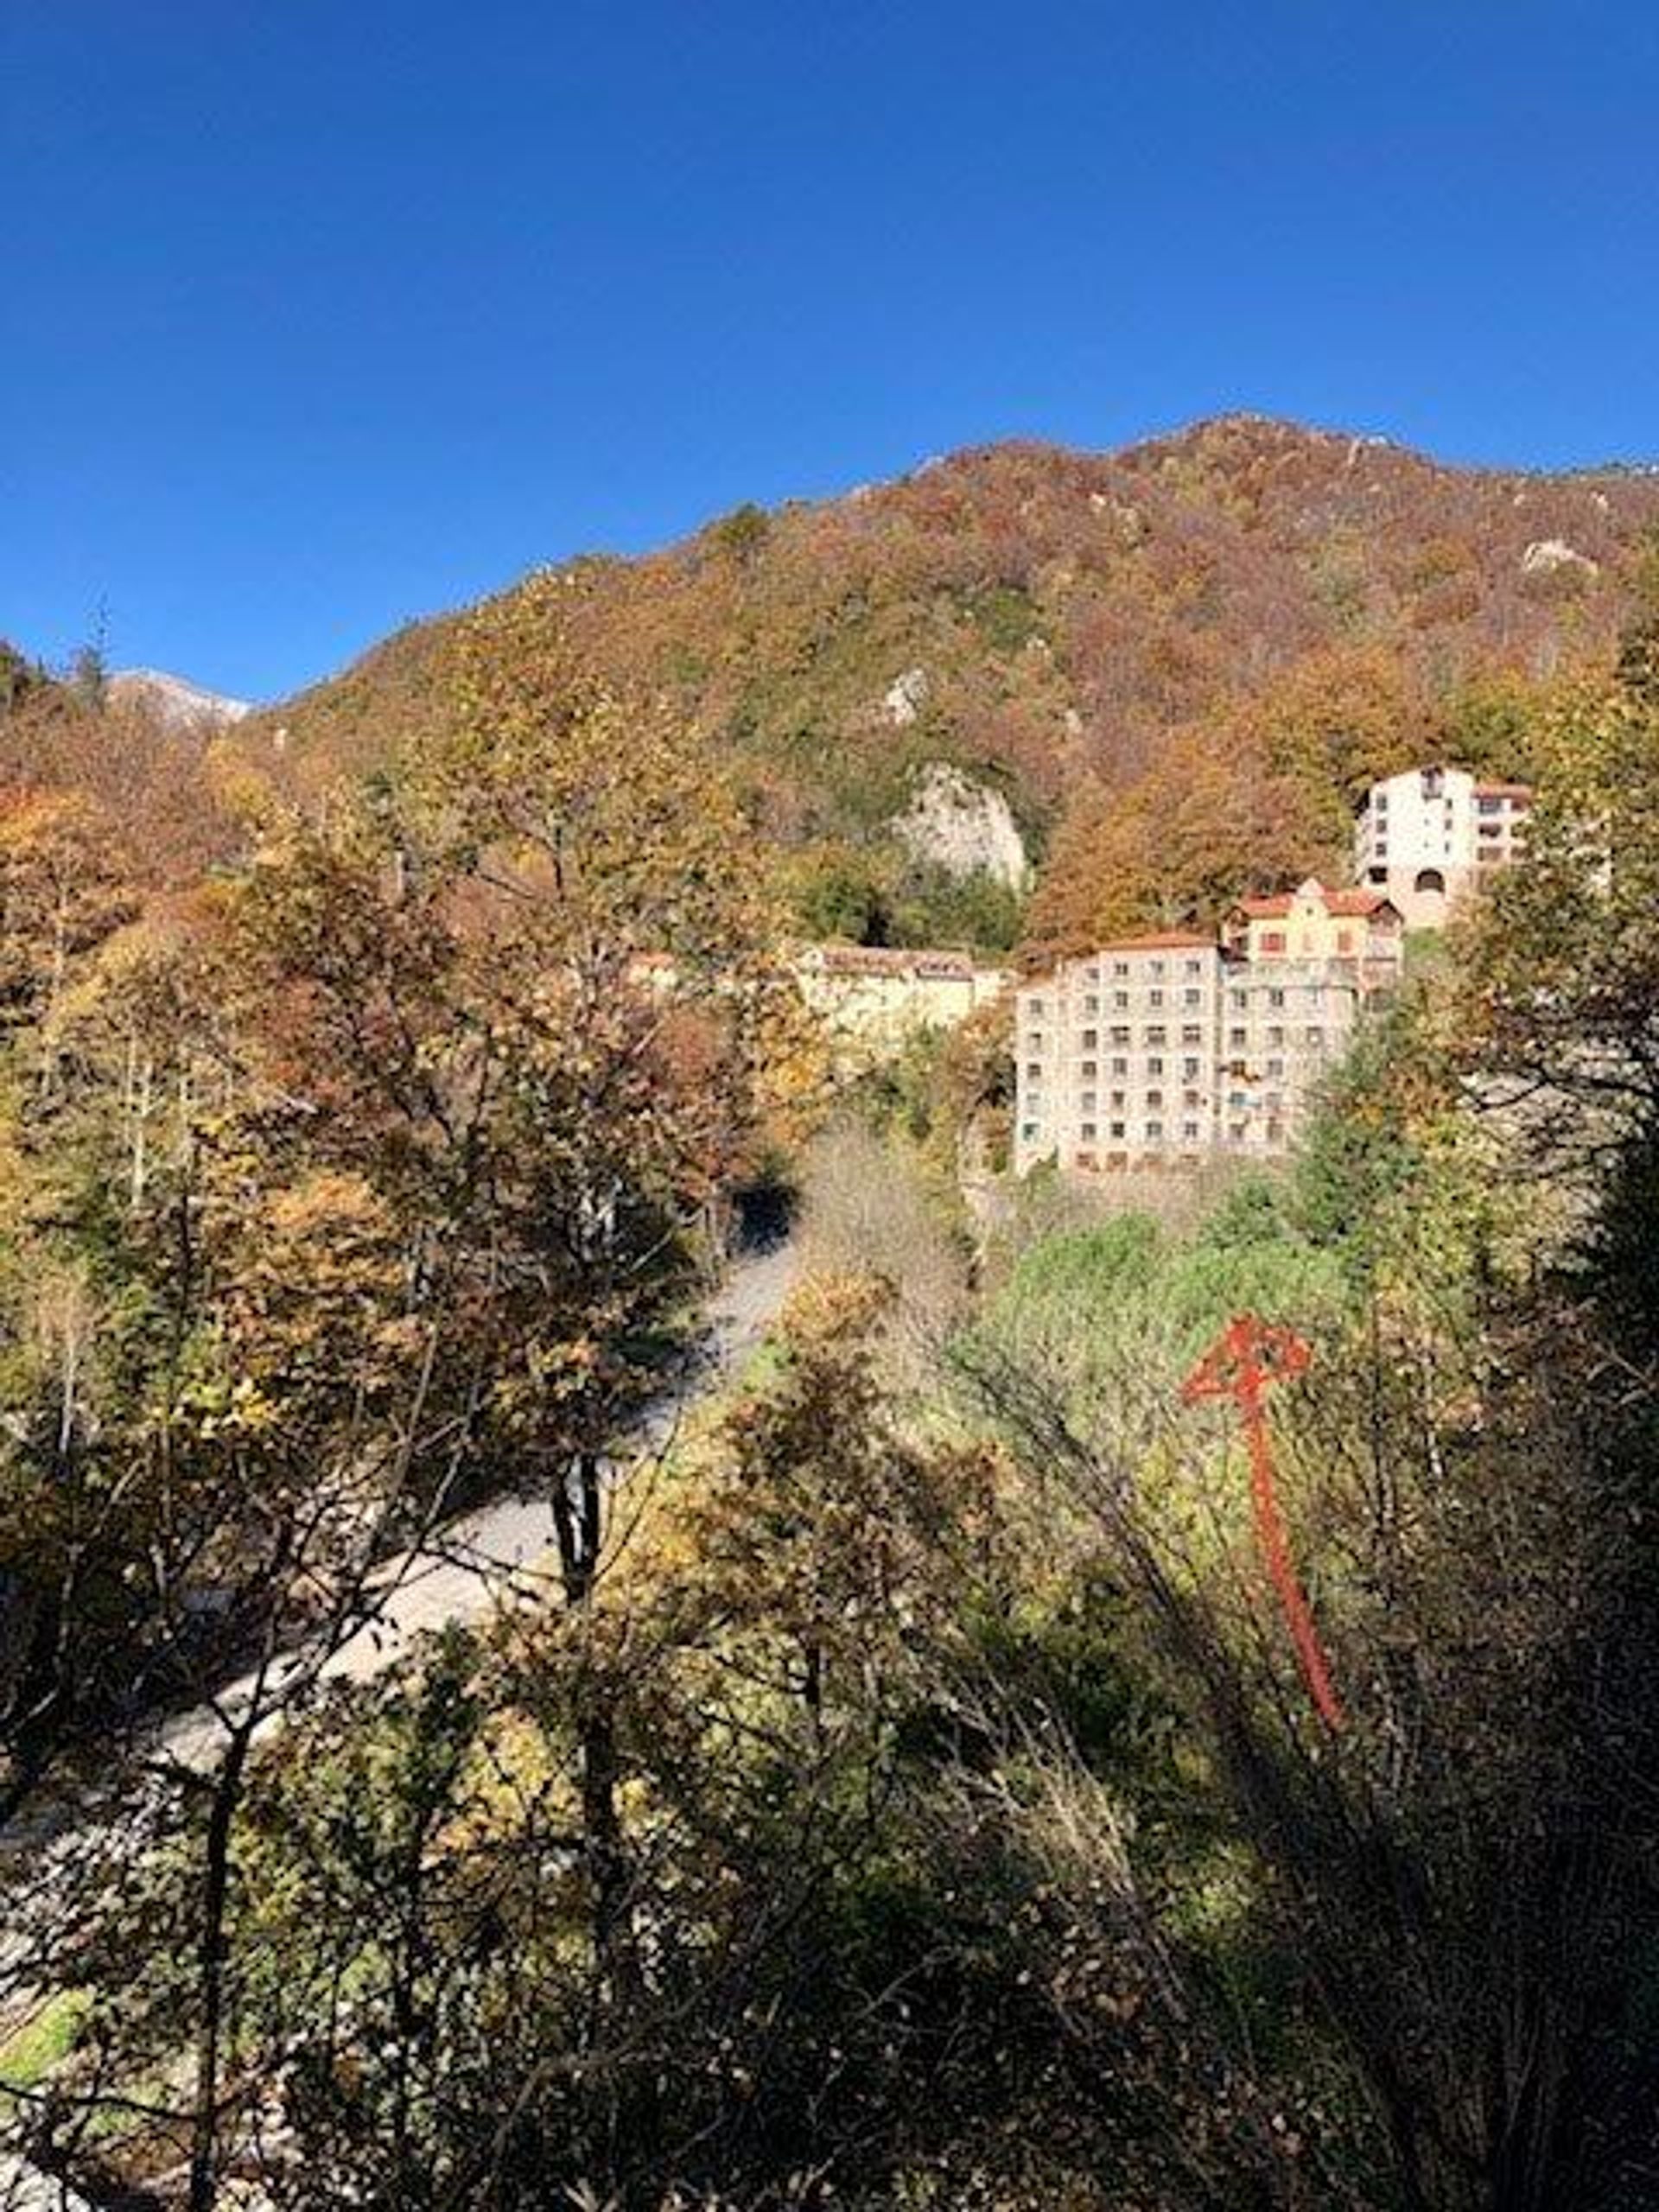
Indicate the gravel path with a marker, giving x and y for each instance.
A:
(507, 1547)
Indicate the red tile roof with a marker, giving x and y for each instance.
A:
(1354, 902)
(1503, 790)
(1278, 903)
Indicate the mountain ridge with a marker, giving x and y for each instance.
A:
(179, 703)
(1150, 677)
(1222, 460)
(1047, 622)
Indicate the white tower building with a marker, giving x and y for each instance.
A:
(1427, 837)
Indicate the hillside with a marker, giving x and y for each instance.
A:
(131, 755)
(1045, 619)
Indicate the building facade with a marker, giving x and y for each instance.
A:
(1317, 923)
(1429, 836)
(1168, 1047)
(1116, 1054)
(872, 997)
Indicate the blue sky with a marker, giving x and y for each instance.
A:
(320, 315)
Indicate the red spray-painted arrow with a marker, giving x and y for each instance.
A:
(1244, 1359)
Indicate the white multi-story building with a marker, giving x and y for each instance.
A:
(1285, 1026)
(1115, 1053)
(1170, 1046)
(1427, 837)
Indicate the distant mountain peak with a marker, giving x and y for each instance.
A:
(179, 703)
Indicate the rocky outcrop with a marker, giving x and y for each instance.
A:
(905, 697)
(964, 826)
(179, 704)
(1547, 556)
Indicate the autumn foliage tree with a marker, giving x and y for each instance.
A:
(1262, 794)
(384, 1172)
(1198, 829)
(523, 988)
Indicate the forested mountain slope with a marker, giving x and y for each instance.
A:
(1045, 619)
(907, 1791)
(1171, 668)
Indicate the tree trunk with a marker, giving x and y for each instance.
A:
(213, 1951)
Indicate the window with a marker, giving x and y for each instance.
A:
(1157, 967)
(1236, 998)
(1034, 1071)
(1189, 1132)
(1379, 801)
(1117, 1128)
(1028, 1131)
(1087, 1132)
(1091, 1039)
(1190, 1071)
(1191, 1034)
(1195, 966)
(1154, 1098)
(1091, 1004)
(1154, 998)
(1156, 1034)
(1275, 1068)
(1120, 1032)
(1034, 1008)
(1154, 1132)
(1120, 1067)
(1487, 805)
(1088, 1069)
(1193, 1098)
(1117, 1101)
(1344, 941)
(1087, 1102)
(1154, 1067)
(1273, 940)
(1120, 998)
(1119, 966)
(1275, 1036)
(1192, 998)
(1237, 1036)
(1315, 1034)
(1275, 998)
